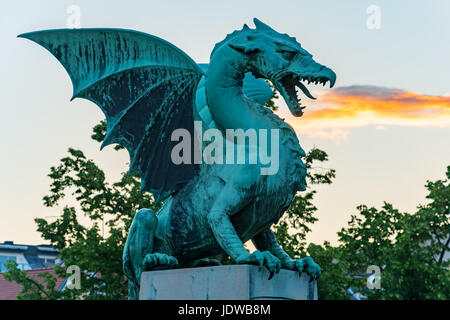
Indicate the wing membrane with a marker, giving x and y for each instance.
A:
(144, 85)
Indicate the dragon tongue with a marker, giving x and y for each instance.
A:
(305, 90)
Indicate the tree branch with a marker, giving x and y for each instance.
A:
(37, 284)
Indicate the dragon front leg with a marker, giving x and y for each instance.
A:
(267, 241)
(229, 241)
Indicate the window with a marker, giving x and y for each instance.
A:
(3, 260)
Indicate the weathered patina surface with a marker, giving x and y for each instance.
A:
(148, 88)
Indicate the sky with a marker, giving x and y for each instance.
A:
(385, 125)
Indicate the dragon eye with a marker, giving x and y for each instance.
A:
(288, 54)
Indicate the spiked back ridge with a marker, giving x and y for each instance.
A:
(231, 36)
(260, 28)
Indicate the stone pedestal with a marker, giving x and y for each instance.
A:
(230, 282)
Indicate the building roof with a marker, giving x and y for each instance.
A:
(10, 245)
(36, 256)
(10, 290)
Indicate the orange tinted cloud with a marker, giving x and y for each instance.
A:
(350, 102)
(339, 109)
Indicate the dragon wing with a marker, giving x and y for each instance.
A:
(144, 85)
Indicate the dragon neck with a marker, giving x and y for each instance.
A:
(231, 109)
(229, 106)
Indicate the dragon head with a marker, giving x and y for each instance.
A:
(280, 59)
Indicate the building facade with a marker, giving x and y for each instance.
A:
(28, 257)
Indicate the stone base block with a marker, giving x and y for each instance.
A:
(229, 282)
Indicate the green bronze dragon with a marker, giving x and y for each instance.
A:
(147, 88)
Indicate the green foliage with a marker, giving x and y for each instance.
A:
(369, 235)
(408, 248)
(99, 132)
(271, 102)
(96, 246)
(334, 281)
(33, 289)
(415, 267)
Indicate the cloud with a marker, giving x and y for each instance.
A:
(337, 110)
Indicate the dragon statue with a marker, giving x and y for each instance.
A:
(147, 88)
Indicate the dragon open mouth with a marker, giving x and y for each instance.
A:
(289, 83)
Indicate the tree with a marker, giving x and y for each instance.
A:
(367, 241)
(334, 281)
(33, 289)
(408, 248)
(361, 244)
(96, 248)
(416, 266)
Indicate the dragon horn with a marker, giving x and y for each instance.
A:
(261, 25)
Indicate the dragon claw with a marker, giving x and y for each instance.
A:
(156, 260)
(313, 269)
(264, 258)
(307, 265)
